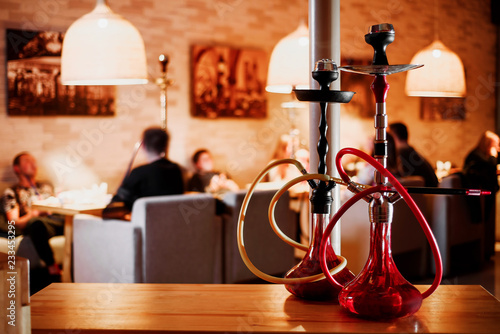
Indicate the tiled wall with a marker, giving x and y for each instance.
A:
(78, 151)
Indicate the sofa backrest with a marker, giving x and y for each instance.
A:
(266, 251)
(180, 238)
(458, 225)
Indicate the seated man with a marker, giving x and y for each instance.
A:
(159, 177)
(16, 207)
(410, 161)
(205, 178)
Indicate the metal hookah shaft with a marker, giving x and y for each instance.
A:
(380, 88)
(325, 72)
(379, 37)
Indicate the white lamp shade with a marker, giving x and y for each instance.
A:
(102, 48)
(289, 64)
(441, 76)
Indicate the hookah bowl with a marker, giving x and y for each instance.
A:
(325, 73)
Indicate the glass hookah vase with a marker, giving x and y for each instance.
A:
(310, 265)
(380, 291)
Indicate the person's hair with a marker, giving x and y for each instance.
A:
(197, 154)
(17, 158)
(399, 130)
(155, 140)
(486, 141)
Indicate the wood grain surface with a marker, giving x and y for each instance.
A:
(245, 308)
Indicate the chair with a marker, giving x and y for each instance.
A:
(266, 251)
(459, 234)
(25, 248)
(170, 239)
(410, 248)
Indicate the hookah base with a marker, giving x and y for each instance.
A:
(320, 290)
(381, 303)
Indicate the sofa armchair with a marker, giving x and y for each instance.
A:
(458, 225)
(170, 239)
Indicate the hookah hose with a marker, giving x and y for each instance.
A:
(407, 198)
(281, 235)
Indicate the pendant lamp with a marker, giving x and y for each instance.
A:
(443, 72)
(289, 63)
(102, 48)
(441, 76)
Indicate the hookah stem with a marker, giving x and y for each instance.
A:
(333, 222)
(323, 142)
(380, 87)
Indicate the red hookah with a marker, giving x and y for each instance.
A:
(380, 291)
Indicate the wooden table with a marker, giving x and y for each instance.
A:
(244, 308)
(69, 211)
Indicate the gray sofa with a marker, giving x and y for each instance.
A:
(180, 239)
(169, 239)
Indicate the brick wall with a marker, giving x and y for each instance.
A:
(78, 151)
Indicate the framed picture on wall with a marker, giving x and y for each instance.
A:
(228, 82)
(363, 103)
(442, 108)
(34, 79)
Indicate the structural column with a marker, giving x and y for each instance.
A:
(324, 37)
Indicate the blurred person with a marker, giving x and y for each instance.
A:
(410, 162)
(38, 225)
(205, 178)
(285, 149)
(480, 172)
(366, 175)
(480, 165)
(158, 177)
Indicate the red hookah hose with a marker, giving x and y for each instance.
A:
(407, 198)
